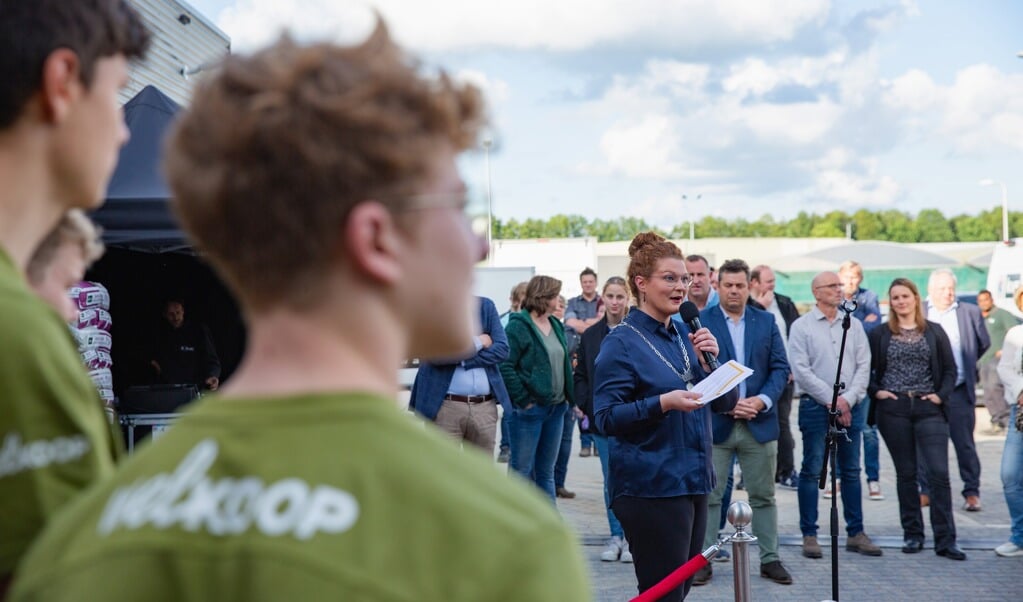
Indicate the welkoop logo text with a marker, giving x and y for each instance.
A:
(16, 457)
(188, 498)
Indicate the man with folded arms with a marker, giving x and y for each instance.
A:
(461, 397)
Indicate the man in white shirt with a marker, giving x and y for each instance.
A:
(964, 325)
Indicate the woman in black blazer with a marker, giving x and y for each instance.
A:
(912, 375)
(615, 298)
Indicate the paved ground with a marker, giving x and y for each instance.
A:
(894, 576)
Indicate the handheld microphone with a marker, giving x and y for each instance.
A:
(848, 306)
(691, 316)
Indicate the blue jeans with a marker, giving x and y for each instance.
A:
(612, 520)
(585, 439)
(726, 495)
(565, 450)
(505, 435)
(535, 439)
(813, 423)
(871, 460)
(1012, 477)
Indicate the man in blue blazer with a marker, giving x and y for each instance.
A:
(461, 397)
(751, 337)
(964, 325)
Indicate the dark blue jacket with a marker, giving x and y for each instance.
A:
(974, 341)
(867, 305)
(432, 380)
(765, 354)
(652, 454)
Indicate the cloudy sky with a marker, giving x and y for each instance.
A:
(607, 108)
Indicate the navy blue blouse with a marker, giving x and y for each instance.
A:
(652, 454)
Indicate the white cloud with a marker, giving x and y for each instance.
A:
(842, 178)
(644, 148)
(913, 91)
(790, 124)
(561, 25)
(980, 112)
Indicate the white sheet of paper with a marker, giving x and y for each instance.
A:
(726, 377)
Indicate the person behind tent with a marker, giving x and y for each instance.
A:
(184, 352)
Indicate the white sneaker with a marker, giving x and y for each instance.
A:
(1009, 550)
(613, 551)
(626, 554)
(874, 490)
(827, 489)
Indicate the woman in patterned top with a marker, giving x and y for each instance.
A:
(912, 373)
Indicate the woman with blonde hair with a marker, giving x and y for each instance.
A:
(538, 375)
(912, 375)
(615, 299)
(659, 431)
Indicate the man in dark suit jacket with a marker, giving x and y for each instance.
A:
(751, 337)
(964, 325)
(762, 296)
(461, 397)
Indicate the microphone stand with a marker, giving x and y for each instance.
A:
(831, 451)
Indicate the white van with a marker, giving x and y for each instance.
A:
(1006, 274)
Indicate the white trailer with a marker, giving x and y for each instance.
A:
(562, 258)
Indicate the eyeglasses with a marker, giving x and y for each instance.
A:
(672, 279)
(833, 287)
(438, 200)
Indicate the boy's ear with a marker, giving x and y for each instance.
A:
(372, 242)
(61, 84)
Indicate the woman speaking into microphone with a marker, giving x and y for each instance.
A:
(659, 431)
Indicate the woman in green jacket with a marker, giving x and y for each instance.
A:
(538, 375)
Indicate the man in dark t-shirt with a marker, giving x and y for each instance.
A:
(184, 351)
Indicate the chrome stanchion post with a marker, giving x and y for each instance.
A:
(739, 516)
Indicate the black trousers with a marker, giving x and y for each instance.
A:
(663, 534)
(962, 419)
(786, 444)
(914, 428)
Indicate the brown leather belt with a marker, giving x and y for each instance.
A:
(470, 398)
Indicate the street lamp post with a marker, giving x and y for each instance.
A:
(692, 224)
(1005, 206)
(487, 143)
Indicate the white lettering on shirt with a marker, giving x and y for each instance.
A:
(189, 498)
(16, 457)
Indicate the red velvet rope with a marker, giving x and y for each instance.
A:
(675, 579)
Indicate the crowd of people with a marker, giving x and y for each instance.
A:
(668, 457)
(299, 477)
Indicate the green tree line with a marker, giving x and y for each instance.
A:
(929, 225)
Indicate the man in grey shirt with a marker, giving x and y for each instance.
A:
(814, 345)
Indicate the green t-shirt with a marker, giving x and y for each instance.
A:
(55, 438)
(319, 497)
(998, 322)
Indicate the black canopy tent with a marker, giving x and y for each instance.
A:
(149, 258)
(136, 214)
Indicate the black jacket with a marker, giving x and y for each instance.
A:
(589, 347)
(787, 308)
(943, 365)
